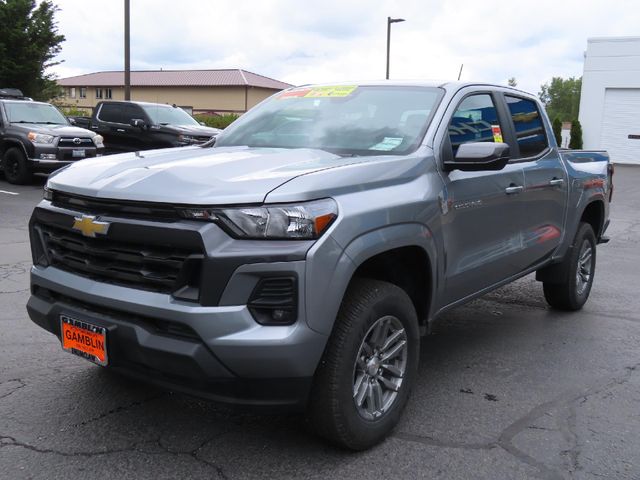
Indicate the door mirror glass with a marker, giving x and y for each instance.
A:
(137, 122)
(478, 156)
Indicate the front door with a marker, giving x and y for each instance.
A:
(482, 211)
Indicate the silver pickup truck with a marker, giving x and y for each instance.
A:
(297, 261)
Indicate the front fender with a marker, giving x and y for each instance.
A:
(330, 267)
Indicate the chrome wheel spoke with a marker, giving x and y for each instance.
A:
(393, 351)
(377, 395)
(393, 370)
(389, 384)
(362, 389)
(391, 339)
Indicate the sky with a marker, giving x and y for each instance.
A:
(310, 41)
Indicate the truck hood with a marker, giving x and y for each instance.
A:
(55, 130)
(192, 175)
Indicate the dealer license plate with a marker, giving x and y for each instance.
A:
(78, 153)
(84, 339)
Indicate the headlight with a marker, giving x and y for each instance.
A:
(97, 140)
(40, 138)
(305, 221)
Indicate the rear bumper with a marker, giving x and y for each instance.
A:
(219, 353)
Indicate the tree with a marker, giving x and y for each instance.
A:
(557, 130)
(576, 135)
(512, 82)
(28, 44)
(561, 97)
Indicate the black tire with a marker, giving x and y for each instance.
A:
(572, 293)
(15, 167)
(332, 409)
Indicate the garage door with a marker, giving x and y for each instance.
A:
(620, 124)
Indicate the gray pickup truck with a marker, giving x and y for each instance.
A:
(298, 260)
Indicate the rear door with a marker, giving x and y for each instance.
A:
(482, 211)
(545, 177)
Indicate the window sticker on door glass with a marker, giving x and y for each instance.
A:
(387, 144)
(497, 133)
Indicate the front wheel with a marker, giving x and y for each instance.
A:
(580, 264)
(15, 167)
(364, 379)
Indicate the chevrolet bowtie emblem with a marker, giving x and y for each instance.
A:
(88, 225)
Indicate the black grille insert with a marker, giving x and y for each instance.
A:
(155, 268)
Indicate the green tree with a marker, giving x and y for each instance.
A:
(512, 82)
(557, 130)
(576, 135)
(28, 45)
(561, 97)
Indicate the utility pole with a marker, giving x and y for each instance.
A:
(389, 22)
(127, 53)
(460, 72)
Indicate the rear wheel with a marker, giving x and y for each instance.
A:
(16, 169)
(368, 368)
(574, 291)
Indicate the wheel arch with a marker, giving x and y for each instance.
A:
(393, 253)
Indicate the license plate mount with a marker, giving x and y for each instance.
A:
(78, 153)
(84, 339)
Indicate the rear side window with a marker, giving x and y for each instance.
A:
(475, 120)
(111, 112)
(529, 128)
(120, 113)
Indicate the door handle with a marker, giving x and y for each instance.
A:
(513, 189)
(556, 181)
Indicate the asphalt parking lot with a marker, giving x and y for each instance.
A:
(508, 389)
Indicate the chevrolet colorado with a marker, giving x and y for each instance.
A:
(36, 138)
(298, 260)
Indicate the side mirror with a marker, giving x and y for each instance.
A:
(203, 124)
(137, 122)
(478, 156)
(72, 121)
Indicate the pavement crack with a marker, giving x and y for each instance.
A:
(434, 442)
(194, 453)
(6, 440)
(563, 403)
(118, 409)
(15, 384)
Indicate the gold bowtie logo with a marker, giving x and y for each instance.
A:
(88, 226)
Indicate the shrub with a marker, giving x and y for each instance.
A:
(76, 112)
(557, 130)
(576, 135)
(217, 121)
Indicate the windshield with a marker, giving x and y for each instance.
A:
(348, 120)
(164, 115)
(29, 112)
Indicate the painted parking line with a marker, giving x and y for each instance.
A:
(9, 193)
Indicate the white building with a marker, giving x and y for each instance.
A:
(610, 100)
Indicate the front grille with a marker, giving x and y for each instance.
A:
(121, 208)
(156, 268)
(73, 142)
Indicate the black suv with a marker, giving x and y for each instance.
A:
(132, 126)
(36, 137)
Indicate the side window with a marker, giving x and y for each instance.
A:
(132, 111)
(475, 120)
(111, 112)
(529, 128)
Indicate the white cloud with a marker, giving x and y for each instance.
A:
(331, 40)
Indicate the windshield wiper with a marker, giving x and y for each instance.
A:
(24, 121)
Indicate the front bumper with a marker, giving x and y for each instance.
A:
(63, 156)
(220, 353)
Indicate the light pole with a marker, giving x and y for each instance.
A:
(127, 56)
(389, 22)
